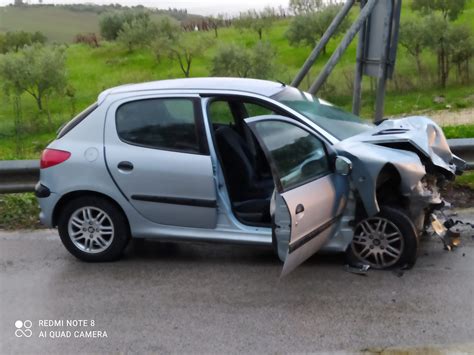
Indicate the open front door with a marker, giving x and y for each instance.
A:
(310, 197)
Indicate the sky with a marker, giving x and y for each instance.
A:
(201, 7)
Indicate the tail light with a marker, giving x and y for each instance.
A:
(52, 157)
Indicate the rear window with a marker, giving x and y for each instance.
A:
(162, 123)
(64, 129)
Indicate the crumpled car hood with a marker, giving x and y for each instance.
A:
(424, 135)
(413, 145)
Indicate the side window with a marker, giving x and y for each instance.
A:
(257, 110)
(166, 123)
(297, 155)
(220, 112)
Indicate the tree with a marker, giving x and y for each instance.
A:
(233, 60)
(302, 7)
(256, 21)
(111, 23)
(136, 33)
(13, 41)
(450, 9)
(451, 43)
(36, 70)
(414, 36)
(215, 23)
(180, 49)
(308, 29)
(168, 28)
(461, 50)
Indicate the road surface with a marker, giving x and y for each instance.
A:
(200, 298)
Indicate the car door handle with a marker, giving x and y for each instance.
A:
(125, 166)
(299, 208)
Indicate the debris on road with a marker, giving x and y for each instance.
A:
(359, 269)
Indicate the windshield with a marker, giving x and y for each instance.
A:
(341, 124)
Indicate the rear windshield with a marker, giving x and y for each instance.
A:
(64, 129)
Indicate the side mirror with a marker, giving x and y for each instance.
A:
(343, 166)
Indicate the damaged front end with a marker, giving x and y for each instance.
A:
(403, 162)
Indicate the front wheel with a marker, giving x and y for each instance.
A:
(93, 229)
(386, 240)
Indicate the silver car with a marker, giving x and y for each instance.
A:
(242, 161)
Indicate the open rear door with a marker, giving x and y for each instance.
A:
(310, 197)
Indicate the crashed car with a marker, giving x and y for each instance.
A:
(242, 161)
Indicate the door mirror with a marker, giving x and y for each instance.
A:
(343, 166)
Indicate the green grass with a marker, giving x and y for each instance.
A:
(19, 211)
(460, 131)
(466, 179)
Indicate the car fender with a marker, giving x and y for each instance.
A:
(368, 160)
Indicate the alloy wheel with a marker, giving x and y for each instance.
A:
(91, 229)
(378, 242)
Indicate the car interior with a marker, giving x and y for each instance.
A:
(246, 170)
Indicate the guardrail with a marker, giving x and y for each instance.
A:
(18, 175)
(22, 175)
(463, 148)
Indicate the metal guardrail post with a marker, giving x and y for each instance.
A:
(346, 41)
(322, 43)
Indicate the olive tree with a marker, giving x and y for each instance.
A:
(256, 21)
(182, 50)
(450, 9)
(137, 33)
(36, 70)
(234, 60)
(301, 7)
(308, 28)
(113, 22)
(415, 37)
(14, 41)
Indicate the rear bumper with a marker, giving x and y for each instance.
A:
(47, 201)
(41, 191)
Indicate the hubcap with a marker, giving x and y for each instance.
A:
(91, 229)
(378, 242)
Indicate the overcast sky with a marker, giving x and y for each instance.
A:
(202, 7)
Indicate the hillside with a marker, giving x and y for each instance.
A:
(61, 23)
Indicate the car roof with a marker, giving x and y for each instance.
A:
(256, 86)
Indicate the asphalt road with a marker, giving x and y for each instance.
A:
(166, 297)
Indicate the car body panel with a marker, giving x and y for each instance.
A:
(304, 217)
(166, 187)
(371, 151)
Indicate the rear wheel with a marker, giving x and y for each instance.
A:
(386, 240)
(93, 229)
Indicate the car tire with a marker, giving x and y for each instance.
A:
(404, 245)
(93, 229)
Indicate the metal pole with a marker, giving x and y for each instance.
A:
(382, 77)
(356, 96)
(346, 41)
(322, 43)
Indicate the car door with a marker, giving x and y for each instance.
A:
(310, 197)
(157, 154)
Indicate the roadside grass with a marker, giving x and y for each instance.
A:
(19, 211)
(460, 131)
(466, 180)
